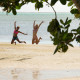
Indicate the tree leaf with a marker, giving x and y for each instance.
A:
(77, 15)
(53, 2)
(33, 1)
(74, 30)
(9, 10)
(61, 21)
(64, 48)
(27, 1)
(78, 30)
(70, 45)
(56, 50)
(38, 5)
(44, 0)
(67, 26)
(74, 11)
(64, 36)
(63, 2)
(18, 7)
(68, 0)
(70, 3)
(78, 38)
(68, 22)
(53, 27)
(14, 11)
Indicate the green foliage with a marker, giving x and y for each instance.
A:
(60, 34)
(38, 5)
(74, 11)
(77, 15)
(61, 21)
(17, 4)
(53, 27)
(26, 1)
(44, 0)
(77, 34)
(63, 2)
(78, 38)
(53, 2)
(13, 5)
(14, 11)
(70, 3)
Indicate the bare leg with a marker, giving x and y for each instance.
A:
(38, 40)
(32, 41)
(13, 42)
(21, 41)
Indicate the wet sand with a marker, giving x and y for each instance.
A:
(39, 57)
(26, 74)
(74, 78)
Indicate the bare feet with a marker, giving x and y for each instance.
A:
(15, 43)
(24, 42)
(40, 38)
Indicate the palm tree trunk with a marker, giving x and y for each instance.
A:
(77, 4)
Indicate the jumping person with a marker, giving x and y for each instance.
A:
(35, 30)
(15, 33)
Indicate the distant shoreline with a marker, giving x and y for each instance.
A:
(35, 13)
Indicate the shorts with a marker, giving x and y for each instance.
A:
(15, 38)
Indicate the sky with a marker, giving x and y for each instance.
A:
(30, 7)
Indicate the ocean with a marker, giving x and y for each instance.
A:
(25, 21)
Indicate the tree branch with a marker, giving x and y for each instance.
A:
(77, 4)
(53, 9)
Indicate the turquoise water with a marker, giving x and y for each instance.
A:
(25, 21)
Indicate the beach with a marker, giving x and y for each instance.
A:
(39, 57)
(36, 62)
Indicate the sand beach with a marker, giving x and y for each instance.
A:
(39, 58)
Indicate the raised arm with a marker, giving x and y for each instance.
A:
(33, 24)
(41, 23)
(15, 25)
(22, 33)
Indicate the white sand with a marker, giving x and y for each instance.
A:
(39, 57)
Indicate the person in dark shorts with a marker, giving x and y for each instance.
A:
(15, 33)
